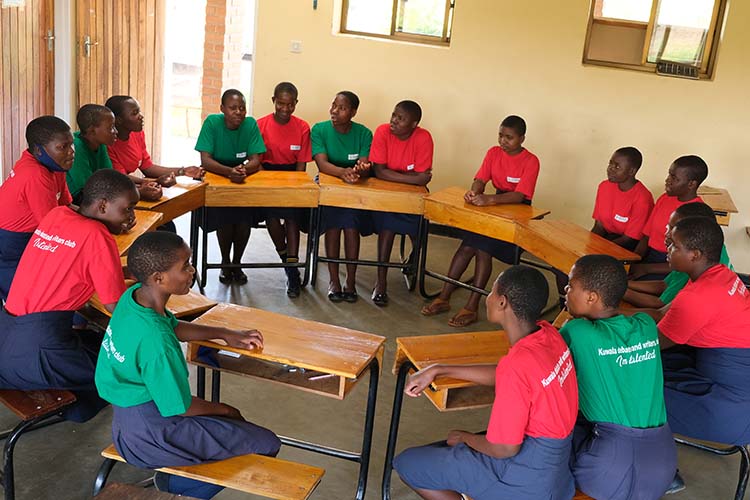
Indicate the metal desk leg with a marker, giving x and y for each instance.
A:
(398, 399)
(372, 397)
(201, 386)
(215, 386)
(411, 271)
(422, 270)
(316, 247)
(311, 230)
(204, 254)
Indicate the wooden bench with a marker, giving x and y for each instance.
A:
(578, 496)
(118, 491)
(257, 474)
(33, 408)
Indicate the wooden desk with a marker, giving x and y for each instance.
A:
(448, 207)
(176, 201)
(372, 193)
(182, 306)
(334, 360)
(497, 221)
(145, 221)
(416, 353)
(560, 243)
(262, 189)
(720, 201)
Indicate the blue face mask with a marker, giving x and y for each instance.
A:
(47, 161)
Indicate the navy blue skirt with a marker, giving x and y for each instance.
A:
(346, 218)
(623, 463)
(217, 217)
(12, 245)
(146, 439)
(42, 351)
(707, 393)
(539, 470)
(501, 250)
(396, 223)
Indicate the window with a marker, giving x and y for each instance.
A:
(425, 21)
(663, 36)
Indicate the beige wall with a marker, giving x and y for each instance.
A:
(524, 58)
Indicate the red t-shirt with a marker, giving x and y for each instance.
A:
(412, 155)
(536, 391)
(68, 258)
(656, 225)
(713, 311)
(623, 212)
(127, 156)
(29, 193)
(285, 144)
(510, 173)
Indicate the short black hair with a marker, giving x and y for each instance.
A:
(702, 234)
(231, 93)
(116, 104)
(285, 88)
(697, 169)
(40, 131)
(91, 115)
(351, 97)
(516, 123)
(634, 157)
(526, 290)
(153, 252)
(695, 209)
(412, 109)
(105, 184)
(604, 275)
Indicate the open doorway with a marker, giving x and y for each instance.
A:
(184, 59)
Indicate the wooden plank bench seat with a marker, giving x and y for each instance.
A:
(32, 404)
(257, 474)
(118, 491)
(578, 496)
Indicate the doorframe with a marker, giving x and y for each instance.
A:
(65, 61)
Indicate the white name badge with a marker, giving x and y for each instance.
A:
(353, 156)
(513, 180)
(295, 147)
(620, 218)
(241, 155)
(58, 195)
(410, 167)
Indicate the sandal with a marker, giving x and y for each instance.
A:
(463, 318)
(437, 306)
(350, 297)
(380, 299)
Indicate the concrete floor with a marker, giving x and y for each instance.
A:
(60, 462)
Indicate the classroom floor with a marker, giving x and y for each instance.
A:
(60, 462)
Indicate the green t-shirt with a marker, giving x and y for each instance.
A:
(230, 147)
(85, 163)
(676, 281)
(343, 150)
(618, 365)
(140, 359)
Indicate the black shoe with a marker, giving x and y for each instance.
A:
(335, 296)
(379, 299)
(677, 484)
(293, 283)
(161, 481)
(239, 277)
(350, 297)
(226, 276)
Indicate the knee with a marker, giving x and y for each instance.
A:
(269, 443)
(466, 251)
(407, 464)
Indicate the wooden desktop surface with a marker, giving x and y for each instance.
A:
(372, 194)
(454, 349)
(176, 201)
(560, 243)
(301, 343)
(448, 207)
(262, 189)
(145, 221)
(720, 202)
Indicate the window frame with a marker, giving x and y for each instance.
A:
(710, 51)
(443, 40)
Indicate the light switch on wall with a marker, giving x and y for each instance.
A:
(295, 46)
